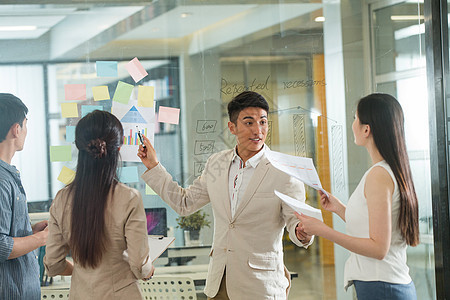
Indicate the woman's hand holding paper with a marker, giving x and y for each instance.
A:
(310, 225)
(332, 204)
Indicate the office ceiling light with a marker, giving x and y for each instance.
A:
(186, 14)
(18, 28)
(319, 19)
(407, 17)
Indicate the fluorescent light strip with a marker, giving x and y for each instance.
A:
(319, 19)
(18, 28)
(407, 18)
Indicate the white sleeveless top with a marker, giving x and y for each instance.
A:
(392, 268)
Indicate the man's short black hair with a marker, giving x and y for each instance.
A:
(12, 111)
(244, 100)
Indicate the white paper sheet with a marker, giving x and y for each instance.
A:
(301, 168)
(300, 207)
(158, 245)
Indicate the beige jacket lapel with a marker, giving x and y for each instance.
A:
(255, 181)
(222, 181)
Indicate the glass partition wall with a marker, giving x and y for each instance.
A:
(312, 61)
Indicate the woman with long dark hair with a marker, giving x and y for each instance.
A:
(382, 214)
(96, 218)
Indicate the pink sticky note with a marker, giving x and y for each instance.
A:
(168, 115)
(75, 91)
(136, 70)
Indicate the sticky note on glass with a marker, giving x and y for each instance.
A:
(70, 134)
(146, 96)
(75, 91)
(168, 115)
(67, 175)
(123, 92)
(106, 68)
(128, 174)
(69, 110)
(60, 153)
(85, 109)
(136, 70)
(149, 190)
(100, 93)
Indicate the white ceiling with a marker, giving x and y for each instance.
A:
(76, 30)
(173, 25)
(43, 24)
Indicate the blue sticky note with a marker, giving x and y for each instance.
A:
(106, 68)
(85, 109)
(128, 174)
(70, 134)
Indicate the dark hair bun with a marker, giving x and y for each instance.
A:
(97, 148)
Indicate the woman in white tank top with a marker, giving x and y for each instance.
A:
(382, 214)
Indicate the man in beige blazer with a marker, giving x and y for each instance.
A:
(246, 259)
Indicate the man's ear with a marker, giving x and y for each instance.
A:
(232, 127)
(15, 130)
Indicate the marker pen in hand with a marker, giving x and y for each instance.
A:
(140, 137)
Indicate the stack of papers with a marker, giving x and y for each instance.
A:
(300, 207)
(301, 168)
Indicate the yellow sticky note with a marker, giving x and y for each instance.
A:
(100, 92)
(149, 190)
(69, 110)
(146, 96)
(66, 176)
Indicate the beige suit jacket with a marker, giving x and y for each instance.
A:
(249, 245)
(126, 228)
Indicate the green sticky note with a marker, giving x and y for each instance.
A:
(123, 92)
(149, 190)
(60, 153)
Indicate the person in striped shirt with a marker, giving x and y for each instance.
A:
(19, 268)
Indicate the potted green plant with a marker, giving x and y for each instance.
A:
(191, 225)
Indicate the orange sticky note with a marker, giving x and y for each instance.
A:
(75, 91)
(69, 110)
(168, 115)
(146, 96)
(136, 70)
(100, 93)
(67, 175)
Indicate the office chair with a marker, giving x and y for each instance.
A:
(47, 294)
(168, 288)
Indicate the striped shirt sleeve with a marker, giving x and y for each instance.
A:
(6, 241)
